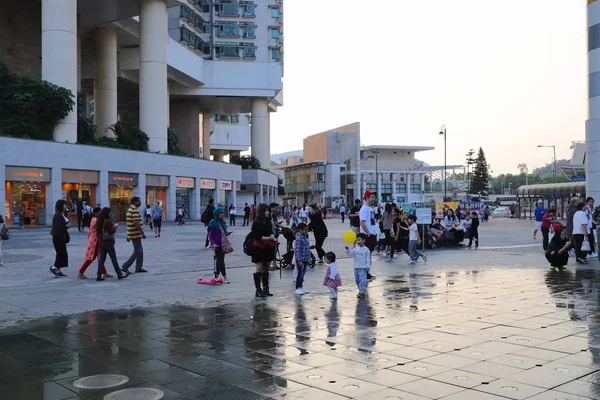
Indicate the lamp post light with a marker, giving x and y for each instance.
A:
(554, 162)
(443, 132)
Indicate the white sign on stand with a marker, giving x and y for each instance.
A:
(423, 218)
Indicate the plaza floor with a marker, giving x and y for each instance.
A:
(486, 324)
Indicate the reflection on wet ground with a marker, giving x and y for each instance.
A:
(517, 334)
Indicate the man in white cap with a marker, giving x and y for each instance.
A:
(539, 216)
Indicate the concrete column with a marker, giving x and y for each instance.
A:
(102, 193)
(169, 106)
(140, 189)
(59, 57)
(78, 60)
(422, 185)
(394, 193)
(260, 194)
(592, 125)
(363, 186)
(53, 193)
(218, 193)
(260, 132)
(431, 181)
(378, 180)
(408, 182)
(234, 194)
(205, 138)
(196, 205)
(153, 73)
(171, 209)
(105, 80)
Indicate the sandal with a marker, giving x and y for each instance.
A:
(81, 276)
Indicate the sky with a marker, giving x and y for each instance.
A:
(504, 75)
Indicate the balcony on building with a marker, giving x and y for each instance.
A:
(224, 8)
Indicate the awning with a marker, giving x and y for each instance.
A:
(551, 189)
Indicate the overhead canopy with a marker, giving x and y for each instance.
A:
(551, 190)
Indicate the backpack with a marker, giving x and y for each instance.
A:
(4, 233)
(206, 217)
(248, 246)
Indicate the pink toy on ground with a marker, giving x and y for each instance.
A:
(212, 282)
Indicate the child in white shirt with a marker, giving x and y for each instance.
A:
(332, 279)
(362, 263)
(413, 240)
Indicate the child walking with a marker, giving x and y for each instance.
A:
(473, 230)
(332, 277)
(413, 240)
(302, 254)
(216, 229)
(362, 263)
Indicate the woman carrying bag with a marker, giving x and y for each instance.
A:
(217, 234)
(60, 238)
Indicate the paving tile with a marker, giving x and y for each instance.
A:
(429, 388)
(510, 389)
(420, 368)
(463, 379)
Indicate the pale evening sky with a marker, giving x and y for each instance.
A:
(505, 75)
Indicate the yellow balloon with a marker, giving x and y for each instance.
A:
(350, 237)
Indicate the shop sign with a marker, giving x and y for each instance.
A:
(157, 181)
(185, 182)
(226, 185)
(207, 184)
(117, 178)
(27, 174)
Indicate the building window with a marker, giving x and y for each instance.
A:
(248, 8)
(194, 41)
(235, 119)
(249, 30)
(274, 12)
(415, 188)
(227, 9)
(249, 50)
(204, 5)
(221, 118)
(274, 33)
(275, 54)
(402, 188)
(227, 49)
(227, 29)
(249, 119)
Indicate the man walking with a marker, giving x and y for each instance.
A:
(246, 215)
(571, 210)
(135, 234)
(343, 213)
(368, 226)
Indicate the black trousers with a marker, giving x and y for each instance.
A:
(231, 220)
(79, 221)
(578, 238)
(319, 240)
(60, 247)
(545, 237)
(246, 220)
(474, 234)
(343, 215)
(219, 262)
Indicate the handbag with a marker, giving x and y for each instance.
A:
(108, 237)
(226, 246)
(585, 246)
(67, 237)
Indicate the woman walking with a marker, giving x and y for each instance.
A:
(60, 238)
(215, 227)
(387, 220)
(264, 243)
(105, 230)
(3, 233)
(91, 251)
(319, 229)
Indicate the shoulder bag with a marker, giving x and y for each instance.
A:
(225, 243)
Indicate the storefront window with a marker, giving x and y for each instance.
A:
(25, 203)
(76, 193)
(184, 196)
(154, 194)
(120, 197)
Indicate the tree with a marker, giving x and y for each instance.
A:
(479, 178)
(246, 162)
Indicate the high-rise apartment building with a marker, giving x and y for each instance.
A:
(212, 70)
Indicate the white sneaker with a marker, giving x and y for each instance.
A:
(305, 291)
(424, 257)
(594, 254)
(411, 262)
(1, 264)
(572, 252)
(300, 291)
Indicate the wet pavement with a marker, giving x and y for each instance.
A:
(422, 333)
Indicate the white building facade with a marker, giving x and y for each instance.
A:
(161, 63)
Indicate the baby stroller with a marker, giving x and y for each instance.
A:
(286, 259)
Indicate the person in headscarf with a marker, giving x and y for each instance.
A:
(558, 249)
(215, 237)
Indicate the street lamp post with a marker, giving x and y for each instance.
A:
(443, 132)
(554, 167)
(377, 177)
